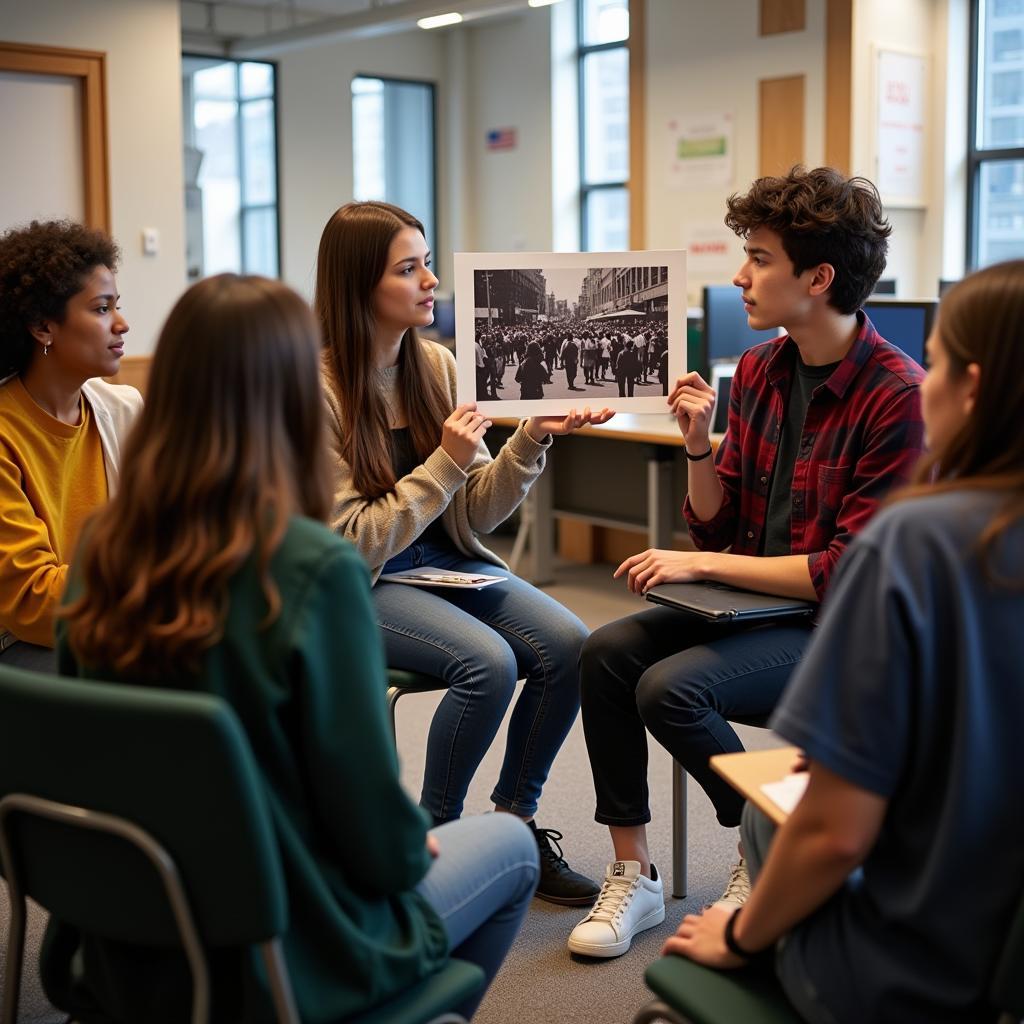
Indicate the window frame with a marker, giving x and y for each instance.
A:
(587, 189)
(243, 206)
(978, 156)
(435, 242)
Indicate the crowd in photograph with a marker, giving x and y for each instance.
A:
(623, 352)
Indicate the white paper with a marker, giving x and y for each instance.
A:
(427, 576)
(900, 121)
(786, 793)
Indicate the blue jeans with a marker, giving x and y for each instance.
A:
(479, 642)
(682, 679)
(31, 657)
(480, 886)
(757, 831)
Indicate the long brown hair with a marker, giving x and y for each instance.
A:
(352, 259)
(228, 447)
(981, 320)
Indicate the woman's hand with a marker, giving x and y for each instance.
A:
(538, 427)
(693, 405)
(433, 846)
(461, 433)
(655, 566)
(702, 938)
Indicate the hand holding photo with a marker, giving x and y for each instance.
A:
(541, 334)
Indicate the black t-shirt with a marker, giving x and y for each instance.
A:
(403, 461)
(776, 539)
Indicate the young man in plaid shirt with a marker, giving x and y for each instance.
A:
(823, 423)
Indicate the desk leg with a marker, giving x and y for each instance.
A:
(539, 520)
(660, 513)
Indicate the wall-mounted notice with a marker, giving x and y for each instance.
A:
(900, 121)
(700, 151)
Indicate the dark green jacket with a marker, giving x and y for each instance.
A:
(309, 691)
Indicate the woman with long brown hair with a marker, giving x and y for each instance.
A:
(212, 570)
(909, 706)
(415, 485)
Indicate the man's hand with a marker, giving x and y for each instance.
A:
(655, 566)
(538, 427)
(693, 404)
(701, 938)
(433, 846)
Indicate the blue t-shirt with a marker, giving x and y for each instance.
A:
(914, 689)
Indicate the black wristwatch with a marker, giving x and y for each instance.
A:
(735, 948)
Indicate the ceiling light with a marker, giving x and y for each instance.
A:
(440, 20)
(542, 3)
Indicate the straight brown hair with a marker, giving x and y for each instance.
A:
(981, 320)
(228, 447)
(352, 258)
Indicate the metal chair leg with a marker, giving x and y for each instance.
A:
(280, 983)
(678, 831)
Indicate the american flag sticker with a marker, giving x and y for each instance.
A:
(501, 138)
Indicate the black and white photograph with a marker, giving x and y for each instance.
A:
(552, 332)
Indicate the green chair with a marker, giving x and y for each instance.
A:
(141, 817)
(691, 994)
(401, 682)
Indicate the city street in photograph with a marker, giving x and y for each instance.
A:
(543, 333)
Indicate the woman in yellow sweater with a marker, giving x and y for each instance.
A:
(61, 428)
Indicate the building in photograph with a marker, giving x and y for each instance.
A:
(610, 289)
(510, 296)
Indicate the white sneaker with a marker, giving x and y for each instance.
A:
(628, 903)
(737, 889)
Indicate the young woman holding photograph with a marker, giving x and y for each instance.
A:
(212, 570)
(61, 427)
(414, 486)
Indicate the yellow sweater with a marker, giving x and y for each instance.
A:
(51, 478)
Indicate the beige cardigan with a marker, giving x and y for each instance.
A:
(468, 502)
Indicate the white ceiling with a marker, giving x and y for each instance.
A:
(266, 27)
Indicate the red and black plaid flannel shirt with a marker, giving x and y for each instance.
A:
(862, 436)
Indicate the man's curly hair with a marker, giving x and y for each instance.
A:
(822, 217)
(41, 267)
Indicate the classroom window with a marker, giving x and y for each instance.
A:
(603, 28)
(393, 146)
(996, 142)
(231, 211)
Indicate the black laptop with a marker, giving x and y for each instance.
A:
(718, 602)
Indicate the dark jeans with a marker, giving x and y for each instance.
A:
(680, 678)
(31, 657)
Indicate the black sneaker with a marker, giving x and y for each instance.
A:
(558, 882)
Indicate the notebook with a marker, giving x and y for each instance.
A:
(720, 603)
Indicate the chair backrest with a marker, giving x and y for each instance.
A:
(176, 764)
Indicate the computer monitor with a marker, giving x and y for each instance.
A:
(885, 286)
(444, 316)
(945, 285)
(696, 354)
(906, 324)
(721, 381)
(726, 334)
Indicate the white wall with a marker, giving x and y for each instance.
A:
(141, 39)
(708, 58)
(918, 254)
(315, 117)
(510, 87)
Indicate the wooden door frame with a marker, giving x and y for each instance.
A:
(89, 67)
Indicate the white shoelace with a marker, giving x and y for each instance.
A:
(614, 894)
(737, 889)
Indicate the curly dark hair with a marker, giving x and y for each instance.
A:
(41, 267)
(822, 217)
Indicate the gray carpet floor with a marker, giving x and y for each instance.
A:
(541, 981)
